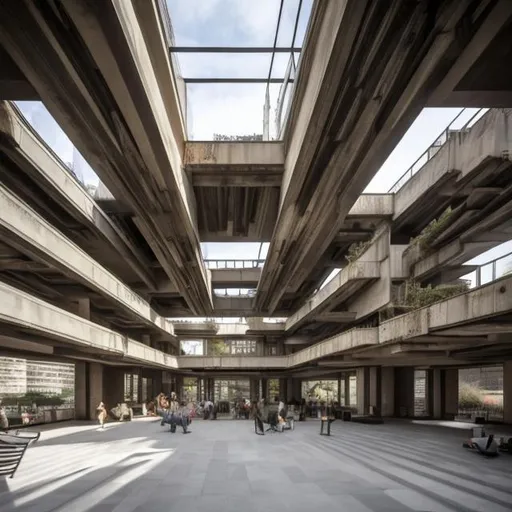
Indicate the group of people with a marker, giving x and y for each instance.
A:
(121, 412)
(274, 413)
(173, 412)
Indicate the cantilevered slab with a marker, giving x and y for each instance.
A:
(366, 71)
(349, 340)
(342, 287)
(472, 307)
(95, 67)
(235, 164)
(233, 362)
(28, 151)
(32, 315)
(31, 234)
(372, 206)
(235, 277)
(346, 341)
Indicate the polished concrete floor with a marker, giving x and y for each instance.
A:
(222, 466)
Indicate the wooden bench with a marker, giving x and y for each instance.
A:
(12, 448)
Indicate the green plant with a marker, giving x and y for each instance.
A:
(432, 231)
(355, 250)
(470, 397)
(417, 296)
(217, 347)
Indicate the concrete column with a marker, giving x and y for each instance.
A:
(95, 388)
(362, 383)
(507, 392)
(387, 386)
(451, 393)
(437, 393)
(146, 339)
(81, 390)
(264, 388)
(347, 390)
(84, 308)
(113, 386)
(404, 392)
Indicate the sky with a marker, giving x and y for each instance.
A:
(232, 109)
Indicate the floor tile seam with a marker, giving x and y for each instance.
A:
(456, 507)
(438, 479)
(430, 463)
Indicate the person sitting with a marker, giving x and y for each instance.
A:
(150, 408)
(181, 418)
(484, 445)
(122, 412)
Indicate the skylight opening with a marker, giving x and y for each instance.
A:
(234, 255)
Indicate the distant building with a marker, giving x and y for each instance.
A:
(19, 376)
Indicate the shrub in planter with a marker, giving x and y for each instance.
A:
(470, 397)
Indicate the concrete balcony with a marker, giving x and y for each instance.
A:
(37, 240)
(343, 286)
(24, 317)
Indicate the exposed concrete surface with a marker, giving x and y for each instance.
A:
(24, 311)
(244, 154)
(475, 305)
(50, 245)
(353, 276)
(373, 205)
(416, 468)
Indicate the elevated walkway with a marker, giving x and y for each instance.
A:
(452, 331)
(40, 243)
(27, 318)
(38, 176)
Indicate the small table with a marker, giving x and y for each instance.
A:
(325, 422)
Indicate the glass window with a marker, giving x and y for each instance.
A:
(321, 390)
(352, 386)
(273, 389)
(481, 392)
(190, 389)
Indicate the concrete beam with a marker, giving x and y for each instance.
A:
(235, 164)
(26, 148)
(372, 206)
(103, 88)
(31, 234)
(325, 174)
(235, 277)
(350, 280)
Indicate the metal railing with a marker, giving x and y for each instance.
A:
(490, 271)
(40, 137)
(432, 150)
(221, 264)
(235, 292)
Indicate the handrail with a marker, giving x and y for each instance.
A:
(28, 125)
(234, 263)
(235, 292)
(432, 150)
(493, 266)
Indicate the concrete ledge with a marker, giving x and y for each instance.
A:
(22, 310)
(373, 205)
(42, 239)
(475, 305)
(29, 313)
(355, 338)
(233, 362)
(235, 276)
(240, 154)
(331, 294)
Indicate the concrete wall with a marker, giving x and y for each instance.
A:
(378, 294)
(234, 153)
(451, 393)
(387, 391)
